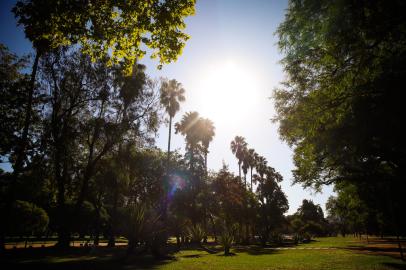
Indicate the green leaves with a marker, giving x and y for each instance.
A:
(340, 107)
(121, 29)
(337, 71)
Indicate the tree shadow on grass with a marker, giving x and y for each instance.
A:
(231, 254)
(390, 251)
(191, 256)
(255, 250)
(398, 266)
(73, 259)
(374, 249)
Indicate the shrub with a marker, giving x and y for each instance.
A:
(196, 233)
(226, 240)
(27, 219)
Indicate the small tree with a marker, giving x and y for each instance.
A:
(27, 219)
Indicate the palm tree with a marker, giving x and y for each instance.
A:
(238, 145)
(207, 133)
(245, 165)
(251, 160)
(172, 93)
(261, 165)
(189, 127)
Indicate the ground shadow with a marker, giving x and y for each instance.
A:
(231, 254)
(400, 266)
(191, 256)
(391, 251)
(78, 259)
(255, 250)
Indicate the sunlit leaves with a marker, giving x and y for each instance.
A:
(123, 29)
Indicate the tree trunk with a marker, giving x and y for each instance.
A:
(27, 121)
(178, 241)
(63, 217)
(20, 151)
(112, 239)
(205, 162)
(63, 237)
(2, 241)
(166, 179)
(85, 186)
(214, 228)
(251, 181)
(400, 247)
(247, 233)
(97, 228)
(169, 141)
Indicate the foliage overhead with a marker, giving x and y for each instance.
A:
(121, 28)
(341, 105)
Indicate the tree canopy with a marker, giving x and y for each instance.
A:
(340, 107)
(121, 28)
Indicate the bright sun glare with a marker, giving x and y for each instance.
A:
(228, 92)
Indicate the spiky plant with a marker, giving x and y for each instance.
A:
(196, 233)
(226, 240)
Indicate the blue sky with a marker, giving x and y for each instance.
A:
(232, 45)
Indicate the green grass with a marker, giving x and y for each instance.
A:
(334, 242)
(245, 257)
(284, 259)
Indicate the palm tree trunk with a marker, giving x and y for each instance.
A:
(239, 170)
(165, 204)
(205, 163)
(169, 140)
(251, 180)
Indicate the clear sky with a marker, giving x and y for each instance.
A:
(229, 68)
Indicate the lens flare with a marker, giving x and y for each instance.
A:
(175, 182)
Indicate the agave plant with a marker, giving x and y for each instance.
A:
(196, 233)
(226, 240)
(140, 225)
(134, 225)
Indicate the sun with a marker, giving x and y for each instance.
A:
(228, 92)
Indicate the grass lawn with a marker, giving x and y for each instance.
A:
(251, 257)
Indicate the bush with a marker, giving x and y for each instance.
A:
(27, 219)
(307, 237)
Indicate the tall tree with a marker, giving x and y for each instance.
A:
(238, 146)
(272, 204)
(189, 127)
(261, 165)
(117, 29)
(207, 133)
(245, 166)
(13, 98)
(343, 98)
(172, 93)
(89, 110)
(251, 161)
